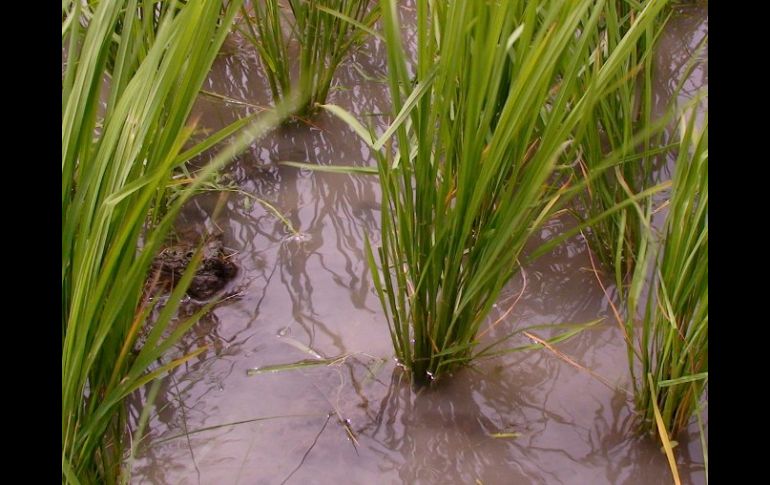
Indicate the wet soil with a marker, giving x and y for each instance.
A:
(214, 271)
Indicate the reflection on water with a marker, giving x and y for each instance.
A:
(527, 417)
(683, 47)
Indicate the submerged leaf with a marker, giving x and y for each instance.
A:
(302, 364)
(332, 168)
(505, 435)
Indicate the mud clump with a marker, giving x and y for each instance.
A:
(215, 271)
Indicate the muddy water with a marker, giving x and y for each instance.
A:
(527, 417)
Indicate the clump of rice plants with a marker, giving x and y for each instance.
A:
(616, 119)
(486, 120)
(325, 31)
(121, 141)
(613, 122)
(671, 344)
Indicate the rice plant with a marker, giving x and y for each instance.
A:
(124, 130)
(486, 118)
(325, 31)
(614, 121)
(149, 13)
(671, 344)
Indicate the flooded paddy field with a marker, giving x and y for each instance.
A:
(303, 294)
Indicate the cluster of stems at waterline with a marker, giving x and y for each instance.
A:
(488, 128)
(671, 344)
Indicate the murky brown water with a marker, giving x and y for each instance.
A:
(523, 418)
